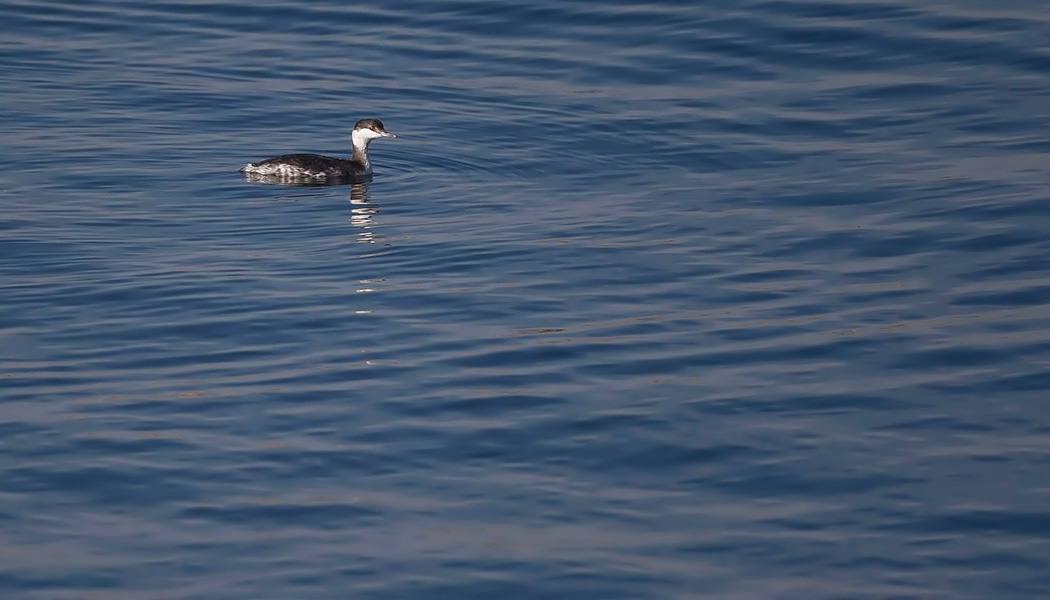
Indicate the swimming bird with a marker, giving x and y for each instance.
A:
(318, 167)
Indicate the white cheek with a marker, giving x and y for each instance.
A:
(364, 136)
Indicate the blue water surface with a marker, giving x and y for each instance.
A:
(668, 300)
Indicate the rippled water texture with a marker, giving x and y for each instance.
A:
(728, 300)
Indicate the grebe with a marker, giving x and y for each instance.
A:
(317, 167)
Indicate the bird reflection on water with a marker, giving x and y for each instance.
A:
(362, 210)
(362, 213)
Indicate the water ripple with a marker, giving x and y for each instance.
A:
(645, 301)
